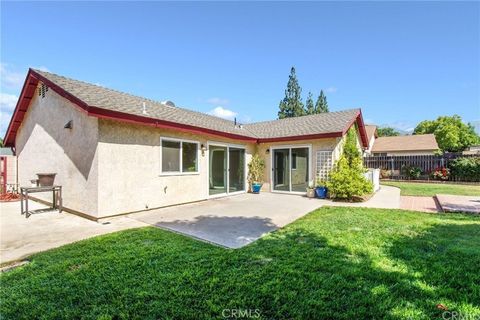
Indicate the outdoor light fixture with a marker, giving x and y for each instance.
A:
(267, 151)
(203, 148)
(69, 125)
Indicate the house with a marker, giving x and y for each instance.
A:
(371, 131)
(8, 170)
(115, 153)
(472, 150)
(419, 144)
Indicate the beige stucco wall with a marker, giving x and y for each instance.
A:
(43, 145)
(129, 169)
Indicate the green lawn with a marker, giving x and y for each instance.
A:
(345, 263)
(431, 189)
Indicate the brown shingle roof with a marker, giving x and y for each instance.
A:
(104, 102)
(109, 99)
(105, 98)
(405, 143)
(322, 123)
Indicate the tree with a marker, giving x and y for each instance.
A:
(291, 105)
(309, 106)
(451, 133)
(321, 105)
(387, 132)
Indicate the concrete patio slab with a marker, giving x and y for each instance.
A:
(232, 221)
(236, 221)
(466, 204)
(47, 229)
(423, 204)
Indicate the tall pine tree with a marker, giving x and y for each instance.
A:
(291, 105)
(321, 105)
(309, 106)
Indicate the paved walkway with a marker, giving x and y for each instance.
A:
(45, 230)
(467, 204)
(423, 204)
(386, 198)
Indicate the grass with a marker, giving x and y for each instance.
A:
(431, 189)
(336, 263)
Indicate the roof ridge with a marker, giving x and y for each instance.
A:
(305, 115)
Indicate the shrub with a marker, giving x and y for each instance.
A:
(412, 172)
(256, 167)
(441, 174)
(346, 180)
(385, 173)
(467, 169)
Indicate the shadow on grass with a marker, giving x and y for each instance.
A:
(151, 274)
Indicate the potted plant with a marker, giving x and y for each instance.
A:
(321, 189)
(311, 189)
(256, 168)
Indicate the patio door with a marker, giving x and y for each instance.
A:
(290, 169)
(226, 170)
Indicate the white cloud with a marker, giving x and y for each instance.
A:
(331, 90)
(7, 101)
(9, 78)
(218, 101)
(7, 104)
(222, 112)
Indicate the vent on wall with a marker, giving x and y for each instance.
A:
(42, 90)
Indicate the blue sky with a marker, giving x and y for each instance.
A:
(401, 62)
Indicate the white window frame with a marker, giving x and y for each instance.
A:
(180, 172)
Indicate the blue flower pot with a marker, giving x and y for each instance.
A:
(256, 187)
(321, 192)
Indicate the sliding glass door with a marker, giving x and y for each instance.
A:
(236, 169)
(226, 169)
(291, 169)
(281, 170)
(218, 170)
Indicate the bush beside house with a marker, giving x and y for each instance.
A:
(346, 181)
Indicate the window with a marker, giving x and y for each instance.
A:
(189, 157)
(179, 156)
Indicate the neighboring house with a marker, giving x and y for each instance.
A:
(116, 153)
(371, 136)
(475, 149)
(8, 169)
(421, 144)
